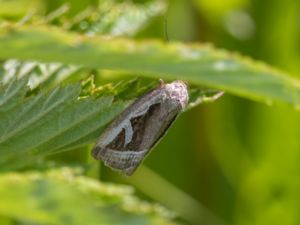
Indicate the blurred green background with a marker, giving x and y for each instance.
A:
(238, 158)
(234, 159)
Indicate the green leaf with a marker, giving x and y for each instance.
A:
(42, 75)
(16, 8)
(107, 17)
(47, 122)
(62, 197)
(197, 64)
(110, 17)
(12, 95)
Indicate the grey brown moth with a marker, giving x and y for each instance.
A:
(131, 136)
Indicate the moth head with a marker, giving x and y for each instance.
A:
(178, 90)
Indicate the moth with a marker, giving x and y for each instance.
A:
(131, 136)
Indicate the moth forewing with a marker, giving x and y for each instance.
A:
(130, 137)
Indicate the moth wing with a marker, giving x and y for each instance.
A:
(147, 130)
(125, 162)
(155, 127)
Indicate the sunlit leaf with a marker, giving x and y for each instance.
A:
(197, 64)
